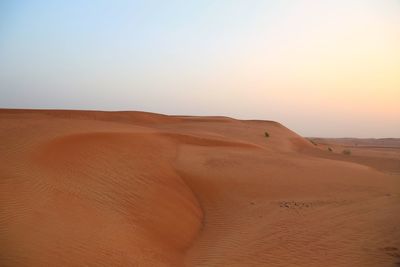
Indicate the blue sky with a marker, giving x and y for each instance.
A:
(327, 69)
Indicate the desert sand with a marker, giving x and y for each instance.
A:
(91, 188)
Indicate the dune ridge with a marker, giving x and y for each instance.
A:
(93, 188)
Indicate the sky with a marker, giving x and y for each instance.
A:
(322, 68)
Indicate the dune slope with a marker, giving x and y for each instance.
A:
(88, 188)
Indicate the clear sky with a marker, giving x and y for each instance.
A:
(322, 68)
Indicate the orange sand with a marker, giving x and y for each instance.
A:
(80, 188)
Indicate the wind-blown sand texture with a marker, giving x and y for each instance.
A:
(80, 188)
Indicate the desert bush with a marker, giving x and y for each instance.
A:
(312, 142)
(346, 152)
(330, 149)
(266, 134)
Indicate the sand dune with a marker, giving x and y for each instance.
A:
(382, 154)
(88, 188)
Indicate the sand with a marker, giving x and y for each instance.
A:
(89, 188)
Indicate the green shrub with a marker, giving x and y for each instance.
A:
(312, 142)
(346, 152)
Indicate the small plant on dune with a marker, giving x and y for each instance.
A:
(312, 142)
(346, 152)
(266, 134)
(330, 149)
